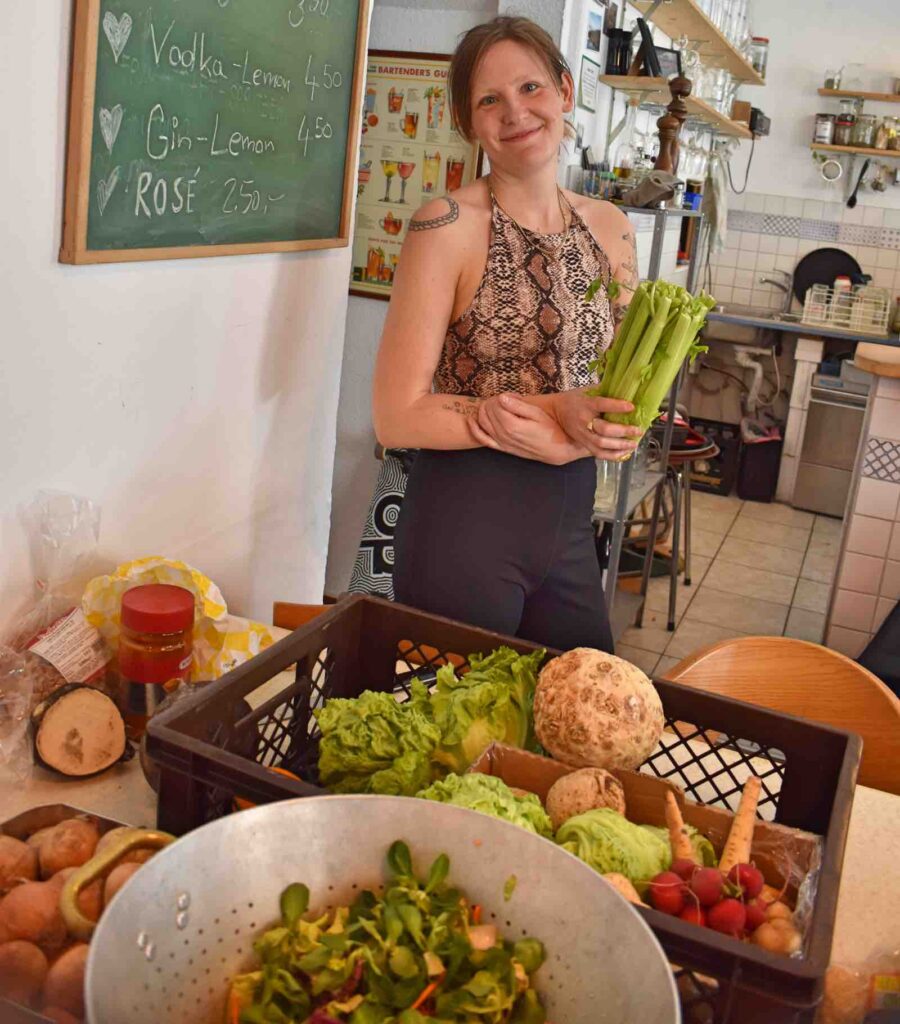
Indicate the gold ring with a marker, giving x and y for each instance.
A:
(590, 425)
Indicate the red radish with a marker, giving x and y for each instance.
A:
(728, 916)
(748, 878)
(707, 884)
(756, 914)
(684, 868)
(694, 914)
(666, 892)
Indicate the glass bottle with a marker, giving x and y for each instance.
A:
(626, 154)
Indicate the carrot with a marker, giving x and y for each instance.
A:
(740, 838)
(623, 887)
(425, 994)
(679, 839)
(233, 1008)
(476, 913)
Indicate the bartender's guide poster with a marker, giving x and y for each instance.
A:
(409, 153)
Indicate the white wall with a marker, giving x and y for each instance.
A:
(808, 36)
(194, 400)
(430, 26)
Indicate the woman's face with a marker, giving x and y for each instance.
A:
(517, 108)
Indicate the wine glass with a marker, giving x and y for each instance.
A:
(404, 170)
(390, 169)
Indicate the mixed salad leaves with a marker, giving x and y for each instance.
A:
(418, 954)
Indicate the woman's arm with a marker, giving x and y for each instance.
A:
(406, 413)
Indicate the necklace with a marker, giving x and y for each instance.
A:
(552, 249)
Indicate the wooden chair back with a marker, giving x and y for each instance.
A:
(810, 681)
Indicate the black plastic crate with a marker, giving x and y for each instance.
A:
(217, 745)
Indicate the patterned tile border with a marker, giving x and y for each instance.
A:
(882, 460)
(817, 230)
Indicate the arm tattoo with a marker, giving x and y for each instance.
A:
(462, 406)
(628, 277)
(436, 222)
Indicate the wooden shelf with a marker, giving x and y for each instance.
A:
(684, 18)
(877, 97)
(656, 90)
(891, 154)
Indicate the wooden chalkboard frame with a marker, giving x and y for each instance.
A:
(74, 248)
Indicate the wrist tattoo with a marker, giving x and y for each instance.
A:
(462, 406)
(436, 222)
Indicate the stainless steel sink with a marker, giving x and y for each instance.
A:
(736, 310)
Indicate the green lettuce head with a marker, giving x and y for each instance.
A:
(492, 702)
(490, 795)
(607, 841)
(375, 744)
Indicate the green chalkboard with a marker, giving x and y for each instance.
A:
(200, 127)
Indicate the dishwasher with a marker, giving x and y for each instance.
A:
(834, 422)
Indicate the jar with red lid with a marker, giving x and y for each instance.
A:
(155, 649)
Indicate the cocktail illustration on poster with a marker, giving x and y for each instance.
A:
(436, 96)
(411, 153)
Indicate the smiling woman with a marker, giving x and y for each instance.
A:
(483, 362)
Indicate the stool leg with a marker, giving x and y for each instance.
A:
(686, 470)
(676, 530)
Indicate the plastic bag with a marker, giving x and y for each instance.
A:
(852, 991)
(16, 694)
(221, 641)
(57, 644)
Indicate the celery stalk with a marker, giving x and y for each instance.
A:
(658, 334)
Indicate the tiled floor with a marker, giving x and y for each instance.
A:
(755, 569)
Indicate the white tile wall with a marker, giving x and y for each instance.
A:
(780, 252)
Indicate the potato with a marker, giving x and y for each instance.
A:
(23, 968)
(90, 899)
(133, 856)
(36, 838)
(64, 986)
(60, 1016)
(31, 912)
(584, 790)
(18, 863)
(69, 845)
(116, 879)
(777, 936)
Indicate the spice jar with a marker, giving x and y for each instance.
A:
(843, 129)
(155, 649)
(824, 131)
(894, 133)
(882, 135)
(758, 53)
(864, 130)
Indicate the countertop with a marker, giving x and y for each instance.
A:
(868, 913)
(797, 327)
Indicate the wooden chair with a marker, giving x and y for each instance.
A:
(289, 615)
(804, 679)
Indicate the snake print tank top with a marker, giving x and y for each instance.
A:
(528, 329)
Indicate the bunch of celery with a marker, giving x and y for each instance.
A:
(658, 333)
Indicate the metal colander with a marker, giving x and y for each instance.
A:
(185, 923)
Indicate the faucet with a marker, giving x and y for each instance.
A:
(785, 283)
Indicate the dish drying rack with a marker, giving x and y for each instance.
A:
(863, 308)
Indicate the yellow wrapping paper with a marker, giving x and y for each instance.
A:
(221, 641)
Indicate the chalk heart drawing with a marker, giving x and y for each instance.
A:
(110, 123)
(106, 187)
(117, 32)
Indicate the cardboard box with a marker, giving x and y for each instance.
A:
(781, 853)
